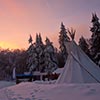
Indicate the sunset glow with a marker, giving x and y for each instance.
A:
(20, 18)
(5, 45)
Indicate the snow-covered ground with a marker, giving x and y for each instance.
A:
(37, 91)
(4, 84)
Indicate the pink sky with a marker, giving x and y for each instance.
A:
(20, 18)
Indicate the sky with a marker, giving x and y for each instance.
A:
(20, 18)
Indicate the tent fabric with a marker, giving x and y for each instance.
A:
(58, 71)
(79, 68)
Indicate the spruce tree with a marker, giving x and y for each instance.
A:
(95, 38)
(84, 45)
(32, 56)
(35, 54)
(50, 57)
(39, 46)
(62, 38)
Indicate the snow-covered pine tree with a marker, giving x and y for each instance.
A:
(39, 46)
(50, 57)
(32, 56)
(84, 45)
(63, 37)
(95, 39)
(41, 57)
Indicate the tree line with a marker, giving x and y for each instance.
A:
(10, 59)
(45, 57)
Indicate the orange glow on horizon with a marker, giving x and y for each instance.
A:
(6, 45)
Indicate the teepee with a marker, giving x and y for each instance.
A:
(78, 68)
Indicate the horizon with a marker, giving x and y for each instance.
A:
(19, 19)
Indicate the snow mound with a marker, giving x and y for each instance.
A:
(4, 84)
(35, 91)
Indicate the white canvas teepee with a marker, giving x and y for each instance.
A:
(78, 68)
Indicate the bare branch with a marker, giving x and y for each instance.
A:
(72, 33)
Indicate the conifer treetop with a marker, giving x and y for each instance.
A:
(38, 39)
(47, 41)
(95, 29)
(30, 39)
(63, 34)
(94, 17)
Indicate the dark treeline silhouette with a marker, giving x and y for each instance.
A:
(10, 59)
